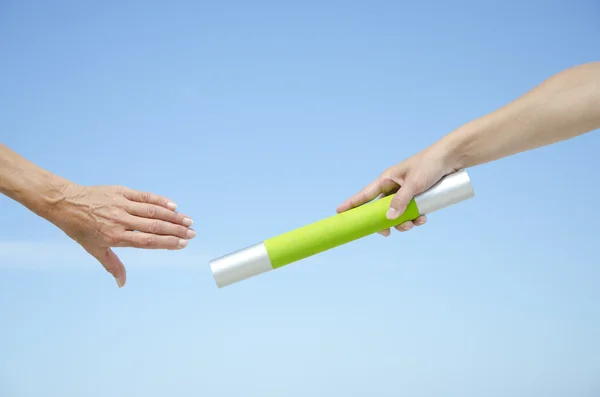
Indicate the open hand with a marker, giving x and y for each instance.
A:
(101, 217)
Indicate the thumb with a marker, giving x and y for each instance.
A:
(401, 199)
(110, 261)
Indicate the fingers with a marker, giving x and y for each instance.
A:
(152, 211)
(406, 226)
(111, 263)
(371, 191)
(149, 198)
(420, 221)
(367, 194)
(385, 232)
(159, 227)
(150, 241)
(401, 199)
(155, 215)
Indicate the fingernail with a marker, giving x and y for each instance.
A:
(182, 243)
(118, 282)
(171, 205)
(392, 213)
(384, 233)
(188, 222)
(191, 233)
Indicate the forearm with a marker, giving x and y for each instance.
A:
(37, 189)
(562, 107)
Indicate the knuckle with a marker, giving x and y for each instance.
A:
(144, 197)
(387, 173)
(417, 183)
(116, 215)
(149, 241)
(151, 211)
(182, 231)
(406, 192)
(396, 200)
(113, 238)
(392, 172)
(383, 180)
(155, 227)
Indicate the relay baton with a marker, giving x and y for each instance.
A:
(336, 230)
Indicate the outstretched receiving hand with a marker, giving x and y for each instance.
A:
(101, 217)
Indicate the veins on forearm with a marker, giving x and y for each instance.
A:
(23, 181)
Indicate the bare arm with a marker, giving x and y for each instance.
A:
(96, 217)
(21, 180)
(562, 107)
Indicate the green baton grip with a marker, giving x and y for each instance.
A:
(335, 230)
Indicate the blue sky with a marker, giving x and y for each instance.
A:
(259, 117)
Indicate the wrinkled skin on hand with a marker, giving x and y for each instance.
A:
(102, 217)
(405, 180)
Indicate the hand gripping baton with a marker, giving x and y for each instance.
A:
(336, 230)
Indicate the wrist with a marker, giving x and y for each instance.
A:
(456, 148)
(48, 195)
(448, 149)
